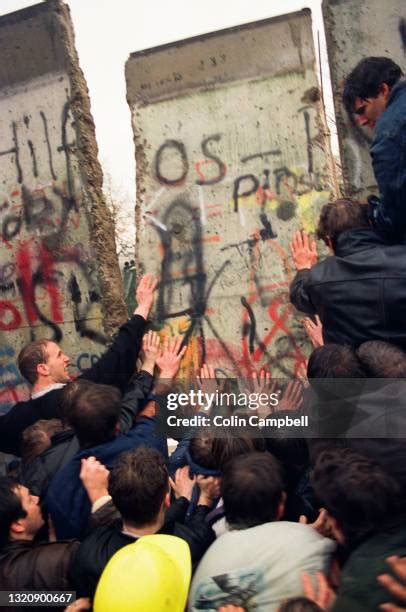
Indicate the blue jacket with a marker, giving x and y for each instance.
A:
(67, 500)
(388, 152)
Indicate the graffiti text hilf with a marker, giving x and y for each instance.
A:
(28, 149)
(48, 281)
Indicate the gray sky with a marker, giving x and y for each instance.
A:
(107, 31)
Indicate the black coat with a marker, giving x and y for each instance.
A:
(98, 548)
(115, 368)
(359, 293)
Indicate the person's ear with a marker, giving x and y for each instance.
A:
(329, 244)
(385, 90)
(281, 507)
(167, 501)
(17, 527)
(42, 369)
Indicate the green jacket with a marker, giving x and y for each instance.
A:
(359, 590)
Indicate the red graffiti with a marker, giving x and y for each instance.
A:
(27, 286)
(48, 274)
(206, 162)
(23, 259)
(278, 310)
(8, 309)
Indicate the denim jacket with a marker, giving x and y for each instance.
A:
(388, 152)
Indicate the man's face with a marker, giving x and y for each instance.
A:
(368, 110)
(57, 363)
(33, 522)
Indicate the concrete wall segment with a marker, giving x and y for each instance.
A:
(210, 59)
(29, 43)
(58, 268)
(228, 166)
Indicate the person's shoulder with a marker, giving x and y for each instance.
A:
(104, 540)
(392, 122)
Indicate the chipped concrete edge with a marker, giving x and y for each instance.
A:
(101, 222)
(141, 166)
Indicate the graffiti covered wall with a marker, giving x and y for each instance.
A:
(53, 221)
(231, 159)
(356, 29)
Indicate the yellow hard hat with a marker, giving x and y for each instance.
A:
(151, 575)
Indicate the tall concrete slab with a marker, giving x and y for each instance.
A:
(231, 158)
(356, 29)
(58, 268)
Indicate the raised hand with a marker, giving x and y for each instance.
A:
(397, 587)
(169, 359)
(94, 476)
(292, 396)
(262, 383)
(322, 595)
(182, 485)
(209, 489)
(206, 380)
(151, 345)
(258, 384)
(144, 295)
(314, 331)
(322, 524)
(304, 251)
(80, 605)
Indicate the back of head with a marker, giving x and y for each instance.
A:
(200, 454)
(382, 360)
(224, 449)
(292, 453)
(356, 491)
(365, 79)
(299, 604)
(10, 507)
(68, 394)
(151, 574)
(252, 488)
(334, 361)
(339, 216)
(138, 484)
(30, 357)
(92, 410)
(37, 438)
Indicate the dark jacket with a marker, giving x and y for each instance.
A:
(96, 550)
(388, 152)
(38, 474)
(67, 500)
(359, 590)
(40, 566)
(115, 368)
(359, 293)
(37, 567)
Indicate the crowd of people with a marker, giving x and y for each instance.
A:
(94, 503)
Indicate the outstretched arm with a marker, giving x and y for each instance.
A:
(141, 384)
(304, 254)
(117, 364)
